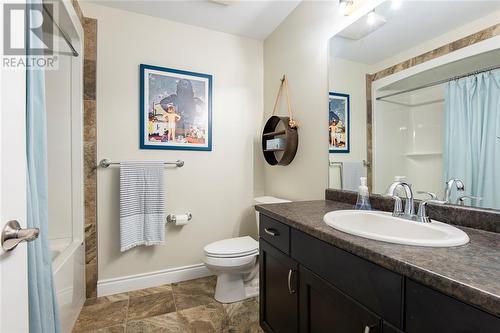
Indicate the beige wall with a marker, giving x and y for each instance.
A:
(216, 187)
(299, 49)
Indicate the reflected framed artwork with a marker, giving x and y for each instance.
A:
(338, 123)
(175, 109)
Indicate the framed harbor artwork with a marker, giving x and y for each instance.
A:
(175, 109)
(339, 123)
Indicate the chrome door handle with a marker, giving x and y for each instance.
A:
(13, 234)
(271, 232)
(290, 290)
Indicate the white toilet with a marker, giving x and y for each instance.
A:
(235, 263)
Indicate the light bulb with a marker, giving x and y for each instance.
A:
(342, 7)
(371, 18)
(395, 4)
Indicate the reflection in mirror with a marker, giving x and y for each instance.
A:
(415, 97)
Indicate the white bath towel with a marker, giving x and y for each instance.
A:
(142, 204)
(351, 173)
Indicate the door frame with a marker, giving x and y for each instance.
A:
(13, 204)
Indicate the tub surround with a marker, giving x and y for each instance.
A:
(468, 273)
(90, 153)
(78, 11)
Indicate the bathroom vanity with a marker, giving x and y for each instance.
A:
(316, 279)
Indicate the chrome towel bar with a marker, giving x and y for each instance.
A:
(104, 163)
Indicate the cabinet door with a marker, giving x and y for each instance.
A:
(388, 328)
(323, 308)
(377, 288)
(428, 310)
(278, 291)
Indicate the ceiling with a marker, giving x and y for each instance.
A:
(254, 19)
(413, 23)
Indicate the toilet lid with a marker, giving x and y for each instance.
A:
(232, 247)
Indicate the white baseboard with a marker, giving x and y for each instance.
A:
(152, 279)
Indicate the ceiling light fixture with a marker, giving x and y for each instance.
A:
(343, 4)
(363, 27)
(396, 4)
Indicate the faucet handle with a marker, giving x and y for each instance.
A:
(432, 195)
(422, 212)
(460, 200)
(398, 205)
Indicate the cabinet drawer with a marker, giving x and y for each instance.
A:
(377, 288)
(275, 233)
(428, 310)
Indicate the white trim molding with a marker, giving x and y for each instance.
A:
(152, 279)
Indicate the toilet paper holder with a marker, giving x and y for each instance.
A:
(172, 218)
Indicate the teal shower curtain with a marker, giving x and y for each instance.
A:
(472, 136)
(43, 311)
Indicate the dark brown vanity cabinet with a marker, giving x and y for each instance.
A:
(310, 286)
(278, 290)
(325, 309)
(429, 310)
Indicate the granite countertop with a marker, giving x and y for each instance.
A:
(470, 273)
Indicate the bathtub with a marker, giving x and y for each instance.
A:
(68, 266)
(57, 246)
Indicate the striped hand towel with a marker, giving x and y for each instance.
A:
(142, 204)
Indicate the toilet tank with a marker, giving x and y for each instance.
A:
(265, 200)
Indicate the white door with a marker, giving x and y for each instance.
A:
(13, 264)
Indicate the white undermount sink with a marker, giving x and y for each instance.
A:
(382, 226)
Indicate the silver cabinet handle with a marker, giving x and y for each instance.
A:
(368, 329)
(290, 290)
(13, 234)
(271, 232)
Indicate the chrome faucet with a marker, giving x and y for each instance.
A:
(409, 212)
(398, 206)
(449, 187)
(422, 212)
(460, 200)
(432, 195)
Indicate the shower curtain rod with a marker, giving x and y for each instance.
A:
(63, 35)
(427, 85)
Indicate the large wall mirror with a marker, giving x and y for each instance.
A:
(415, 96)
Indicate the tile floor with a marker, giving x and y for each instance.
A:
(180, 307)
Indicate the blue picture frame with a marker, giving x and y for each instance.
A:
(339, 121)
(175, 109)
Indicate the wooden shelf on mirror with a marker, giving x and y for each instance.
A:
(273, 150)
(273, 134)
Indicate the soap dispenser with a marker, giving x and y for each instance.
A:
(363, 202)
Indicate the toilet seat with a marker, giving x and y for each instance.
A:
(232, 248)
(231, 263)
